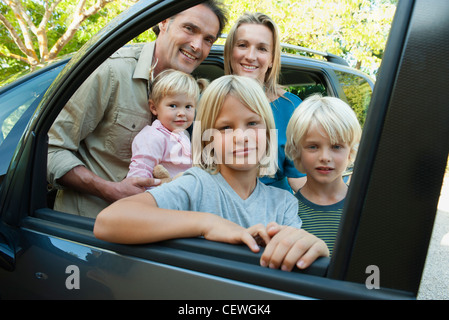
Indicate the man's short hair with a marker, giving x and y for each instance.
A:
(217, 7)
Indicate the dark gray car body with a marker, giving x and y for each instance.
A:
(388, 216)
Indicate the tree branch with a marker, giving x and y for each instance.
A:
(25, 23)
(78, 18)
(15, 56)
(25, 37)
(41, 31)
(17, 40)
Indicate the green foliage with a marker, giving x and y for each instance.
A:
(359, 99)
(354, 29)
(358, 93)
(306, 91)
(56, 27)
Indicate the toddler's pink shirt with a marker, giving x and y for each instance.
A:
(155, 145)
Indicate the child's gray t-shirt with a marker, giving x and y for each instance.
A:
(198, 190)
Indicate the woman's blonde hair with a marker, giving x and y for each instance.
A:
(170, 82)
(250, 93)
(272, 76)
(336, 117)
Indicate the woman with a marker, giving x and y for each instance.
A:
(252, 49)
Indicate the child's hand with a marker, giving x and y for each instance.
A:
(290, 246)
(222, 230)
(260, 234)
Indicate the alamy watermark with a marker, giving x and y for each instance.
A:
(243, 143)
(73, 280)
(373, 280)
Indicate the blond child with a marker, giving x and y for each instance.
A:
(322, 139)
(221, 198)
(173, 96)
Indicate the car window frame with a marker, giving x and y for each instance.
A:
(39, 193)
(73, 228)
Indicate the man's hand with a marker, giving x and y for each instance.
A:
(83, 180)
(127, 187)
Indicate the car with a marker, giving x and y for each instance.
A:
(389, 211)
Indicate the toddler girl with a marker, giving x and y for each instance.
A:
(173, 96)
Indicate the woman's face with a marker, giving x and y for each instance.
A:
(252, 54)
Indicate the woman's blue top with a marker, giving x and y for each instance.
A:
(283, 108)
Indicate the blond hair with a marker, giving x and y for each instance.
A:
(336, 117)
(171, 82)
(272, 75)
(250, 93)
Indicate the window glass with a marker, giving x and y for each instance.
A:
(15, 101)
(357, 91)
(209, 70)
(303, 83)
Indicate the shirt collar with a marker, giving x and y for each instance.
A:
(145, 61)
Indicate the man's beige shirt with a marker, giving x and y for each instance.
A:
(97, 126)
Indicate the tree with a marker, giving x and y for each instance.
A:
(34, 32)
(356, 30)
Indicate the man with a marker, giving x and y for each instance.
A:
(90, 142)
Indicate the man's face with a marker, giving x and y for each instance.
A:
(185, 40)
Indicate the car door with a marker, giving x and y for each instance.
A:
(385, 229)
(392, 203)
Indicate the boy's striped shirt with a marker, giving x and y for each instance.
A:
(321, 221)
